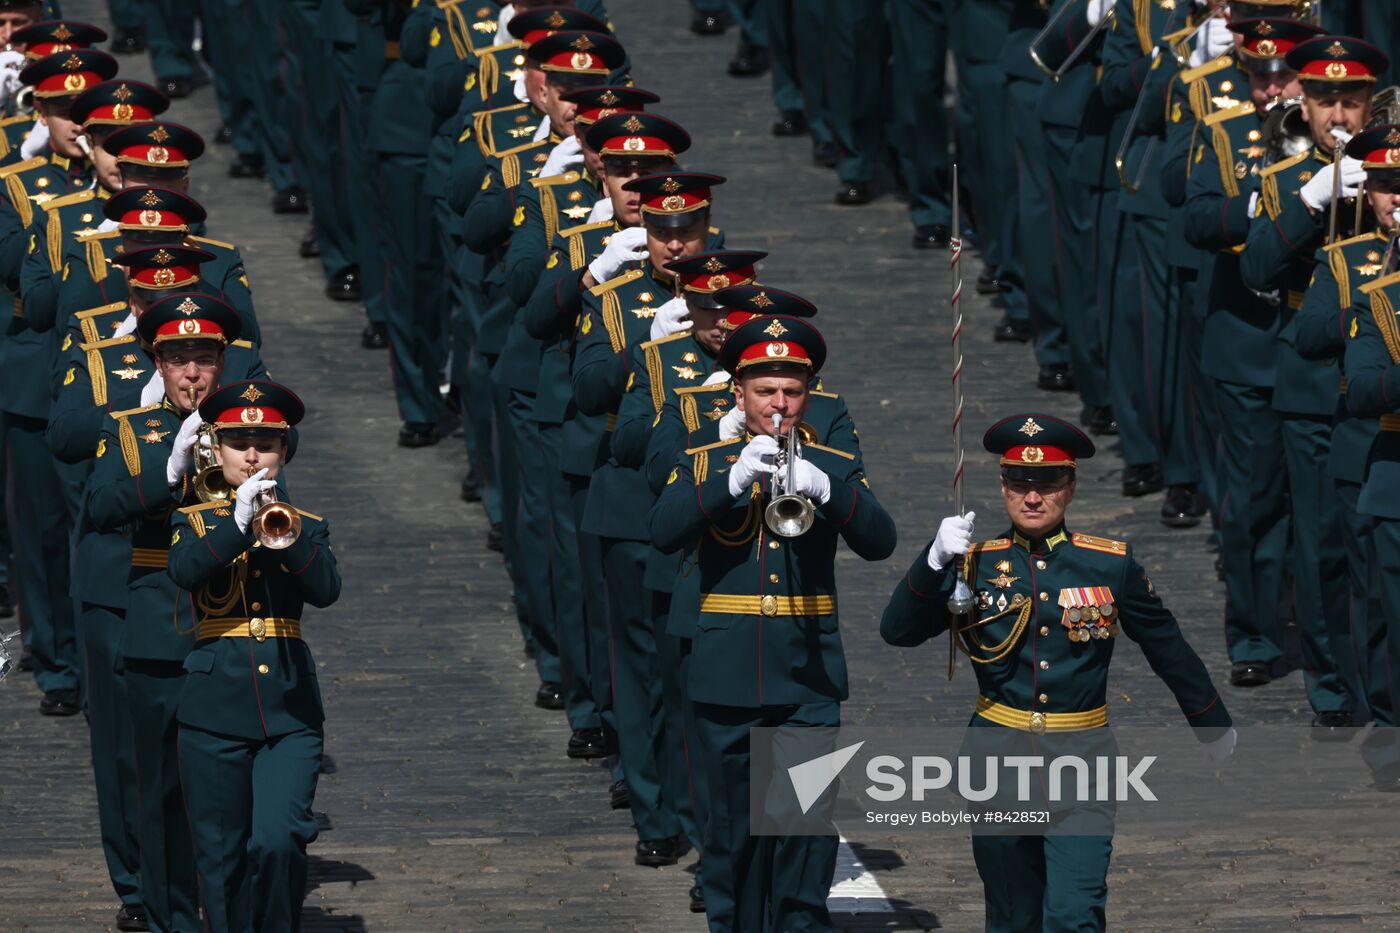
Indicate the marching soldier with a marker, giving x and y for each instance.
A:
(1041, 664)
(249, 709)
(20, 135)
(767, 646)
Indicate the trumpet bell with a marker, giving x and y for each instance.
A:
(276, 526)
(790, 516)
(210, 485)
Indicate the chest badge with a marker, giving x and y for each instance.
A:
(154, 436)
(686, 372)
(1002, 580)
(128, 374)
(1372, 265)
(1089, 613)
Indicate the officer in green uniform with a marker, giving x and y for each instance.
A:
(1295, 198)
(1042, 663)
(170, 36)
(854, 38)
(41, 528)
(141, 474)
(796, 49)
(767, 646)
(1323, 326)
(250, 710)
(25, 45)
(1240, 348)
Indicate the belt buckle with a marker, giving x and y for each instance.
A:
(258, 629)
(1037, 723)
(768, 605)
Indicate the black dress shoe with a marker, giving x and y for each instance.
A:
(374, 336)
(1009, 331)
(247, 166)
(824, 155)
(655, 853)
(1055, 377)
(1250, 674)
(1142, 479)
(697, 899)
(790, 123)
(749, 60)
(549, 696)
(344, 285)
(1181, 508)
(224, 136)
(7, 603)
(619, 795)
(132, 917)
(309, 248)
(290, 200)
(1102, 421)
(587, 743)
(471, 492)
(987, 283)
(1332, 726)
(128, 42)
(418, 434)
(857, 192)
(175, 88)
(708, 24)
(934, 236)
(60, 703)
(1220, 567)
(493, 539)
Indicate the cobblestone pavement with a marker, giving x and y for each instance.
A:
(451, 805)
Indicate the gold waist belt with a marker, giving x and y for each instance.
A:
(1390, 422)
(1295, 300)
(1344, 385)
(391, 50)
(768, 605)
(259, 628)
(1040, 723)
(149, 557)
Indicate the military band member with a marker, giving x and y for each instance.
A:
(250, 709)
(22, 136)
(1041, 663)
(767, 647)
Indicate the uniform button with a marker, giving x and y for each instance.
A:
(1044, 698)
(257, 607)
(1045, 630)
(262, 668)
(256, 574)
(774, 545)
(1045, 665)
(1040, 565)
(772, 578)
(1044, 596)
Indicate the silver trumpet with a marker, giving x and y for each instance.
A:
(789, 514)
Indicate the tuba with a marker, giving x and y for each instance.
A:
(276, 525)
(790, 514)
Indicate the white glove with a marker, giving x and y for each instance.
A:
(732, 424)
(626, 246)
(36, 142)
(127, 326)
(518, 88)
(10, 60)
(1317, 193)
(252, 487)
(756, 459)
(602, 210)
(181, 459)
(564, 157)
(953, 539)
(9, 82)
(1213, 39)
(154, 390)
(542, 130)
(108, 225)
(1219, 751)
(1098, 10)
(716, 377)
(811, 481)
(671, 318)
(503, 18)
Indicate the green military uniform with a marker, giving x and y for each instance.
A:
(13, 131)
(170, 37)
(766, 649)
(919, 34)
(1043, 668)
(795, 34)
(855, 33)
(250, 709)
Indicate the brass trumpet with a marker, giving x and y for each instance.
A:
(209, 482)
(276, 525)
(790, 514)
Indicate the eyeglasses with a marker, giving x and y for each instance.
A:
(180, 362)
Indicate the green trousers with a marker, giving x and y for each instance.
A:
(1032, 214)
(250, 814)
(227, 32)
(795, 42)
(1366, 628)
(855, 37)
(986, 153)
(529, 531)
(1382, 746)
(1253, 520)
(356, 171)
(168, 885)
(170, 37)
(681, 775)
(919, 37)
(1198, 406)
(126, 14)
(597, 635)
(758, 883)
(1043, 882)
(1132, 290)
(110, 741)
(264, 70)
(40, 537)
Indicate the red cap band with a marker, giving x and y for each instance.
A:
(707, 282)
(1331, 70)
(777, 351)
(153, 220)
(165, 276)
(119, 114)
(662, 203)
(251, 416)
(1037, 455)
(576, 62)
(151, 154)
(190, 328)
(71, 82)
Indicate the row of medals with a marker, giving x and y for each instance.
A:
(1086, 622)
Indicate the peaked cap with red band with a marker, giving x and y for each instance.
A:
(669, 198)
(578, 53)
(68, 73)
(776, 342)
(156, 209)
(637, 134)
(530, 26)
(595, 103)
(1268, 40)
(52, 36)
(1377, 148)
(158, 145)
(707, 273)
(1037, 441)
(1338, 59)
(252, 406)
(163, 267)
(746, 302)
(189, 316)
(118, 103)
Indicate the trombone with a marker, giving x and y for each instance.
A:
(1058, 71)
(790, 514)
